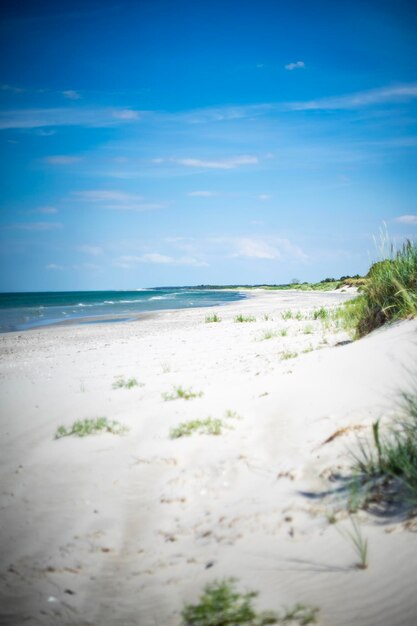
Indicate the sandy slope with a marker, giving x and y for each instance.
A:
(112, 530)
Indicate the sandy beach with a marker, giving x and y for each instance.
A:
(124, 529)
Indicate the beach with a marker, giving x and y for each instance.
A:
(124, 529)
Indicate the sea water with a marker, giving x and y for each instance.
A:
(23, 311)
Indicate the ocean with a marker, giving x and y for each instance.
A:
(23, 311)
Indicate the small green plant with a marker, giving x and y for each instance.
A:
(393, 455)
(166, 368)
(179, 393)
(122, 383)
(83, 428)
(308, 330)
(283, 332)
(268, 334)
(321, 314)
(300, 614)
(308, 349)
(266, 317)
(222, 605)
(288, 355)
(208, 426)
(241, 318)
(232, 415)
(359, 543)
(299, 316)
(213, 318)
(287, 315)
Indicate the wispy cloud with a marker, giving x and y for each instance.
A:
(267, 248)
(11, 88)
(54, 266)
(222, 164)
(71, 94)
(264, 196)
(128, 262)
(295, 66)
(90, 250)
(116, 200)
(37, 226)
(126, 114)
(407, 219)
(44, 210)
(201, 194)
(360, 99)
(71, 116)
(62, 159)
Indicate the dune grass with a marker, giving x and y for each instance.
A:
(242, 319)
(268, 334)
(388, 465)
(210, 319)
(83, 428)
(390, 292)
(122, 383)
(359, 543)
(222, 605)
(179, 393)
(288, 355)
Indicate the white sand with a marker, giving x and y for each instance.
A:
(122, 530)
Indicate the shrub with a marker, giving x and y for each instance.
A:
(121, 383)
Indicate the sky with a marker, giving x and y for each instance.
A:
(155, 143)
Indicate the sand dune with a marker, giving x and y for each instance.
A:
(107, 529)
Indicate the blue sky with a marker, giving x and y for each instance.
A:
(168, 143)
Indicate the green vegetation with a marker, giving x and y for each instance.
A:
(388, 466)
(390, 292)
(308, 330)
(122, 383)
(266, 317)
(213, 318)
(359, 543)
(286, 315)
(208, 426)
(241, 318)
(83, 428)
(179, 393)
(221, 605)
(288, 355)
(283, 332)
(321, 314)
(268, 334)
(232, 415)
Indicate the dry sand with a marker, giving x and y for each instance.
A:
(122, 530)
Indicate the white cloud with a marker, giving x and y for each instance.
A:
(66, 116)
(117, 200)
(54, 266)
(223, 164)
(91, 250)
(126, 114)
(71, 94)
(201, 194)
(359, 99)
(62, 159)
(11, 88)
(295, 66)
(267, 248)
(100, 195)
(158, 259)
(44, 210)
(264, 196)
(86, 266)
(407, 219)
(157, 160)
(37, 226)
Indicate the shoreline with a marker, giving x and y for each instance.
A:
(126, 528)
